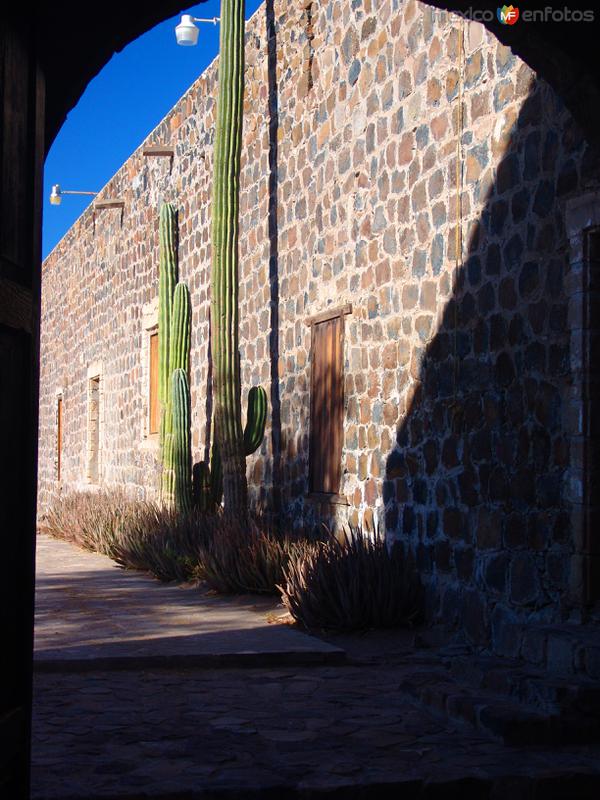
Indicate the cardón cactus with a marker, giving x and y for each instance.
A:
(224, 284)
(174, 337)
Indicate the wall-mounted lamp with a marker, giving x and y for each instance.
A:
(187, 33)
(57, 193)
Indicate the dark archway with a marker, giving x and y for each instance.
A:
(45, 64)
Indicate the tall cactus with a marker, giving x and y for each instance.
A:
(225, 229)
(174, 320)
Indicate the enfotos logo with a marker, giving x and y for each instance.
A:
(508, 15)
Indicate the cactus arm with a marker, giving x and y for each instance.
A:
(256, 418)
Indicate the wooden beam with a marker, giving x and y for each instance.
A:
(330, 313)
(101, 204)
(158, 150)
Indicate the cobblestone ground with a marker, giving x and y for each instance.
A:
(293, 732)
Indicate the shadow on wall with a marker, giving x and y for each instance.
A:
(475, 484)
(273, 99)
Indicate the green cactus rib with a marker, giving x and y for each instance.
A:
(168, 475)
(167, 278)
(179, 361)
(181, 451)
(180, 332)
(225, 229)
(166, 435)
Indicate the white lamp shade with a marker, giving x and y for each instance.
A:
(186, 32)
(55, 197)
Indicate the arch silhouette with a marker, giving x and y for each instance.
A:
(45, 65)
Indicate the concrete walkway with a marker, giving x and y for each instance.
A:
(89, 612)
(161, 725)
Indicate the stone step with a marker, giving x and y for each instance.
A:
(565, 650)
(499, 715)
(559, 697)
(210, 661)
(529, 686)
(570, 649)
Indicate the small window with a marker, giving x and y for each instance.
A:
(93, 470)
(59, 436)
(327, 404)
(153, 405)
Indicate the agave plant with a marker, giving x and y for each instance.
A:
(163, 541)
(92, 520)
(136, 534)
(351, 583)
(244, 556)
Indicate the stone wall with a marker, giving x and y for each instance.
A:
(401, 160)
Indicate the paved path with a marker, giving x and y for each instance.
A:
(91, 612)
(337, 731)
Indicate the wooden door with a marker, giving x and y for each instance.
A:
(327, 404)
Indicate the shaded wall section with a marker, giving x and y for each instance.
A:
(478, 482)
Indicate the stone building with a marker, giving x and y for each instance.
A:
(418, 244)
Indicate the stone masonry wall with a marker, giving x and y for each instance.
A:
(457, 360)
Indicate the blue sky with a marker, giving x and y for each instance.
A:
(126, 100)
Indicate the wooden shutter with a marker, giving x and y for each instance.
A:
(327, 406)
(93, 471)
(154, 418)
(59, 436)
